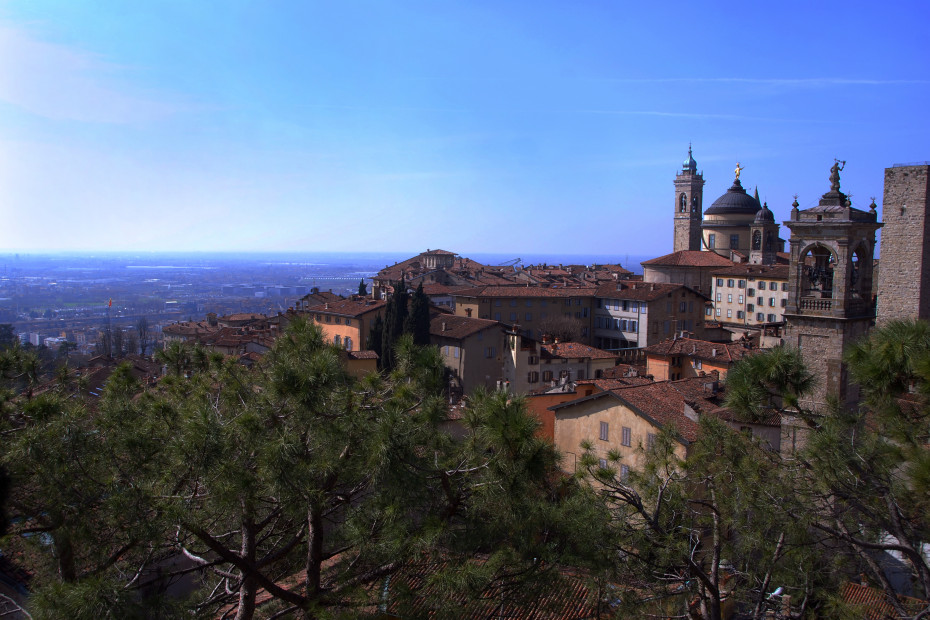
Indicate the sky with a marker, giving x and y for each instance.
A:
(477, 126)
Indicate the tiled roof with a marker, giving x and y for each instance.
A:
(723, 352)
(775, 272)
(639, 291)
(458, 327)
(348, 307)
(689, 258)
(874, 602)
(362, 355)
(574, 350)
(662, 403)
(528, 291)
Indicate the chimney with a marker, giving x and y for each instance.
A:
(713, 352)
(326, 306)
(443, 323)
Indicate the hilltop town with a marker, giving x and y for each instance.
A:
(612, 364)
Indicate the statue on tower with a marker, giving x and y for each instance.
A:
(835, 174)
(738, 170)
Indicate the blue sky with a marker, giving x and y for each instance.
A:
(480, 126)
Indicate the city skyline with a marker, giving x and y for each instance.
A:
(476, 127)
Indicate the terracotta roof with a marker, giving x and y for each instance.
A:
(362, 355)
(574, 350)
(458, 327)
(689, 258)
(874, 602)
(348, 307)
(723, 352)
(528, 291)
(777, 272)
(640, 291)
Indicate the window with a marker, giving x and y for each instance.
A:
(711, 241)
(584, 312)
(665, 327)
(784, 286)
(580, 376)
(734, 242)
(513, 303)
(729, 314)
(623, 325)
(751, 292)
(772, 302)
(784, 303)
(529, 316)
(739, 299)
(455, 352)
(490, 352)
(602, 463)
(605, 428)
(544, 303)
(761, 285)
(718, 312)
(532, 376)
(771, 318)
(348, 321)
(634, 306)
(730, 283)
(719, 296)
(513, 316)
(750, 307)
(698, 364)
(616, 304)
(760, 317)
(568, 302)
(547, 375)
(626, 436)
(741, 284)
(690, 306)
(529, 303)
(632, 326)
(337, 340)
(708, 310)
(682, 306)
(624, 472)
(497, 316)
(497, 303)
(740, 314)
(719, 281)
(348, 343)
(760, 301)
(650, 440)
(729, 299)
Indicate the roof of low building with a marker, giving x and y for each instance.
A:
(573, 350)
(689, 258)
(528, 291)
(722, 352)
(349, 307)
(458, 327)
(640, 291)
(774, 272)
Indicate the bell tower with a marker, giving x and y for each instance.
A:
(830, 303)
(763, 238)
(689, 193)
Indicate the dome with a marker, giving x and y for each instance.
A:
(765, 214)
(689, 165)
(735, 202)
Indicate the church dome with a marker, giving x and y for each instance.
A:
(765, 214)
(735, 202)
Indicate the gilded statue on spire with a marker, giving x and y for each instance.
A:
(738, 170)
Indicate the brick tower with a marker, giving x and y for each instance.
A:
(904, 271)
(830, 288)
(689, 192)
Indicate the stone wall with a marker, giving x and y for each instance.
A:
(903, 285)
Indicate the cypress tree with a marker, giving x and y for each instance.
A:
(417, 323)
(362, 289)
(394, 318)
(375, 335)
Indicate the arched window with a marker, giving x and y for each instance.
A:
(337, 340)
(682, 203)
(817, 266)
(756, 240)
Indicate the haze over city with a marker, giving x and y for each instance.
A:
(473, 126)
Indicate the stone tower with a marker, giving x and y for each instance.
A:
(763, 238)
(689, 193)
(830, 288)
(904, 268)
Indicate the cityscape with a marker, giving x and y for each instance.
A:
(396, 311)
